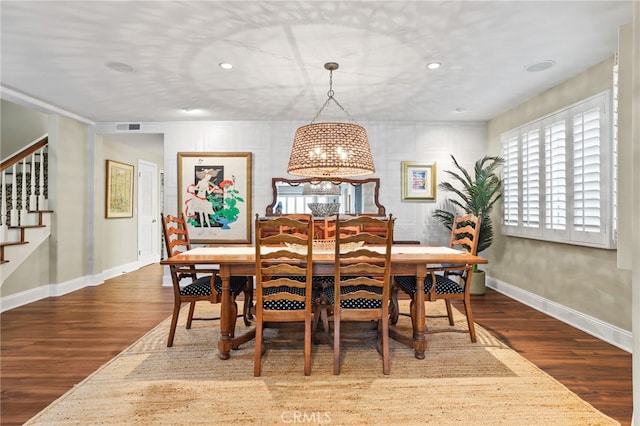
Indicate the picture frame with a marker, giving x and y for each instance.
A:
(214, 195)
(418, 181)
(119, 190)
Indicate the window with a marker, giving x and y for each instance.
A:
(558, 176)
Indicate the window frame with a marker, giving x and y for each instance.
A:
(605, 236)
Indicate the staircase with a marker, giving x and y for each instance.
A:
(24, 215)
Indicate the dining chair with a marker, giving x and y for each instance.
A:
(284, 284)
(452, 281)
(329, 228)
(204, 283)
(361, 282)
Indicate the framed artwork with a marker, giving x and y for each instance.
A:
(119, 198)
(214, 195)
(418, 181)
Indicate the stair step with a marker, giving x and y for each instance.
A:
(26, 226)
(13, 243)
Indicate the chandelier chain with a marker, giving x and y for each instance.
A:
(330, 97)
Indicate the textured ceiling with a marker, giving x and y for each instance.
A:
(56, 52)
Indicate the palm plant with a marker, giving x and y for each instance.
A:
(477, 195)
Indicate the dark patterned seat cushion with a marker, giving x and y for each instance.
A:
(288, 305)
(202, 286)
(358, 303)
(443, 285)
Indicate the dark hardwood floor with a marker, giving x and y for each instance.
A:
(49, 346)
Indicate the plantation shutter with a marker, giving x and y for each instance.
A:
(531, 178)
(586, 171)
(510, 180)
(555, 148)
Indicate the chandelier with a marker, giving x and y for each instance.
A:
(331, 149)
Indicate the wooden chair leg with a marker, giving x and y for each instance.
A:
(336, 344)
(449, 311)
(257, 357)
(469, 313)
(386, 352)
(394, 308)
(174, 323)
(192, 308)
(307, 347)
(248, 304)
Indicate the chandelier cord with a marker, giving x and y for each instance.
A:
(330, 97)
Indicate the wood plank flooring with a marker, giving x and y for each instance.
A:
(49, 346)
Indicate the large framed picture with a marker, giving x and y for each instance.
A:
(119, 193)
(214, 195)
(418, 181)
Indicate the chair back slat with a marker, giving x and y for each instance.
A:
(464, 233)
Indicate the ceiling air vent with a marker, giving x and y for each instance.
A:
(127, 127)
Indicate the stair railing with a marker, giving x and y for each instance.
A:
(27, 164)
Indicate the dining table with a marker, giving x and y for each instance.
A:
(239, 260)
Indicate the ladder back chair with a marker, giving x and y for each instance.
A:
(203, 284)
(362, 281)
(452, 281)
(284, 284)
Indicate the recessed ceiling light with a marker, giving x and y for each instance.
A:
(540, 66)
(460, 109)
(189, 109)
(225, 65)
(433, 65)
(120, 67)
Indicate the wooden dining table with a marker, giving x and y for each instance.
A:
(409, 260)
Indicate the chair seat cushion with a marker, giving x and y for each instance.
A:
(443, 285)
(284, 304)
(357, 303)
(202, 286)
(237, 285)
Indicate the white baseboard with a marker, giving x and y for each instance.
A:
(616, 336)
(60, 289)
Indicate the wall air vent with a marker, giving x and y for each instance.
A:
(127, 127)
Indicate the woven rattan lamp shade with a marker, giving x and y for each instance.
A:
(331, 149)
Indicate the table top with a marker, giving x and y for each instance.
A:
(421, 254)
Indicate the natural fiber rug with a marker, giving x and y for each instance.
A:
(458, 382)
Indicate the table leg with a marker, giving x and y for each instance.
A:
(419, 321)
(226, 313)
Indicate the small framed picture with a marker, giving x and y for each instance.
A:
(418, 181)
(119, 199)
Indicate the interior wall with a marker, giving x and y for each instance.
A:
(19, 126)
(391, 143)
(123, 250)
(68, 183)
(585, 279)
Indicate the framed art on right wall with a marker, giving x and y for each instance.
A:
(418, 181)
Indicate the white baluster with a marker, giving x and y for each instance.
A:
(14, 196)
(42, 202)
(3, 209)
(33, 198)
(23, 195)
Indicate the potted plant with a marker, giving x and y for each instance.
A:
(476, 193)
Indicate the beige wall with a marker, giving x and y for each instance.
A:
(119, 237)
(584, 279)
(68, 182)
(19, 126)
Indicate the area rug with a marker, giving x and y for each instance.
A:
(458, 383)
